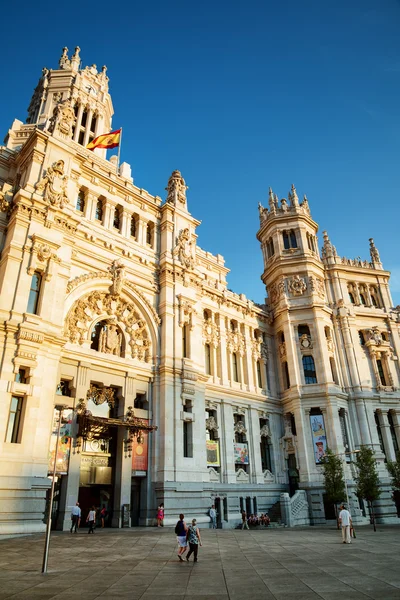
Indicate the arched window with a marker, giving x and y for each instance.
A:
(235, 370)
(34, 293)
(381, 372)
(117, 220)
(232, 325)
(362, 299)
(150, 234)
(289, 239)
(374, 296)
(207, 358)
(270, 248)
(361, 338)
(97, 329)
(80, 201)
(99, 210)
(310, 375)
(351, 298)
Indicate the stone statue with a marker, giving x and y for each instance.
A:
(64, 61)
(184, 249)
(176, 189)
(54, 185)
(110, 340)
(117, 271)
(374, 252)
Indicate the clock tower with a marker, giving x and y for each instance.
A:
(71, 100)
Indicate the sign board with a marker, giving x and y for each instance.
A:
(318, 436)
(241, 453)
(213, 459)
(64, 444)
(140, 453)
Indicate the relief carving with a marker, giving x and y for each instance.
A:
(317, 286)
(176, 189)
(110, 340)
(54, 185)
(210, 333)
(185, 249)
(297, 285)
(235, 342)
(63, 119)
(117, 271)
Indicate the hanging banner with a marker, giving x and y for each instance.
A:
(140, 453)
(213, 459)
(241, 454)
(64, 444)
(319, 436)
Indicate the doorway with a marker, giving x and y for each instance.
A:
(293, 474)
(135, 501)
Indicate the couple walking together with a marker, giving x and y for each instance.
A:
(187, 535)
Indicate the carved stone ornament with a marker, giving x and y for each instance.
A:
(265, 431)
(187, 312)
(110, 340)
(63, 119)
(6, 198)
(101, 395)
(211, 424)
(256, 348)
(375, 336)
(86, 310)
(276, 291)
(240, 428)
(235, 342)
(374, 252)
(211, 333)
(282, 350)
(54, 185)
(117, 271)
(305, 342)
(317, 286)
(264, 351)
(42, 258)
(297, 285)
(176, 189)
(185, 249)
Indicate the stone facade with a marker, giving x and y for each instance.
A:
(109, 306)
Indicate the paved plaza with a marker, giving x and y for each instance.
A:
(281, 564)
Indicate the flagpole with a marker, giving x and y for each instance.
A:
(119, 149)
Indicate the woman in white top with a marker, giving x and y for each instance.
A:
(91, 519)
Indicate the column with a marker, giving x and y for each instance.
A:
(141, 231)
(125, 224)
(256, 469)
(305, 458)
(78, 122)
(87, 128)
(107, 217)
(348, 345)
(396, 423)
(227, 439)
(90, 206)
(386, 435)
(251, 383)
(222, 352)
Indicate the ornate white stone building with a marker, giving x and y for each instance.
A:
(109, 307)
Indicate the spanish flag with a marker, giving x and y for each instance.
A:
(107, 140)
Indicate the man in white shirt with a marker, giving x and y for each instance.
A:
(213, 517)
(75, 517)
(345, 522)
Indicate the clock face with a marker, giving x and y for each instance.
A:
(91, 90)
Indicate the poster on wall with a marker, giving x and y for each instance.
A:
(64, 444)
(212, 453)
(140, 453)
(241, 453)
(319, 436)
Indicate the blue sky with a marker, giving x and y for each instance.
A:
(240, 96)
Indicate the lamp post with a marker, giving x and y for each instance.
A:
(342, 455)
(60, 408)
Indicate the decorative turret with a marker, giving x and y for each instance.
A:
(176, 189)
(293, 197)
(328, 250)
(376, 259)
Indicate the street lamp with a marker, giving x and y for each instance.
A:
(343, 454)
(60, 408)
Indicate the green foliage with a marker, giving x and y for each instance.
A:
(394, 471)
(367, 475)
(333, 477)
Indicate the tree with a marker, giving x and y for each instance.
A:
(335, 488)
(394, 471)
(367, 478)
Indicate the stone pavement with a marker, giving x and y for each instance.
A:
(281, 564)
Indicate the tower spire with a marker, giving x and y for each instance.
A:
(373, 250)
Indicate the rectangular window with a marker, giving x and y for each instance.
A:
(21, 376)
(285, 376)
(14, 426)
(187, 439)
(207, 350)
(259, 378)
(393, 433)
(34, 293)
(235, 370)
(381, 371)
(185, 341)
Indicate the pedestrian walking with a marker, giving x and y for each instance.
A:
(244, 520)
(213, 517)
(103, 516)
(160, 515)
(345, 522)
(75, 517)
(91, 519)
(180, 530)
(194, 539)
